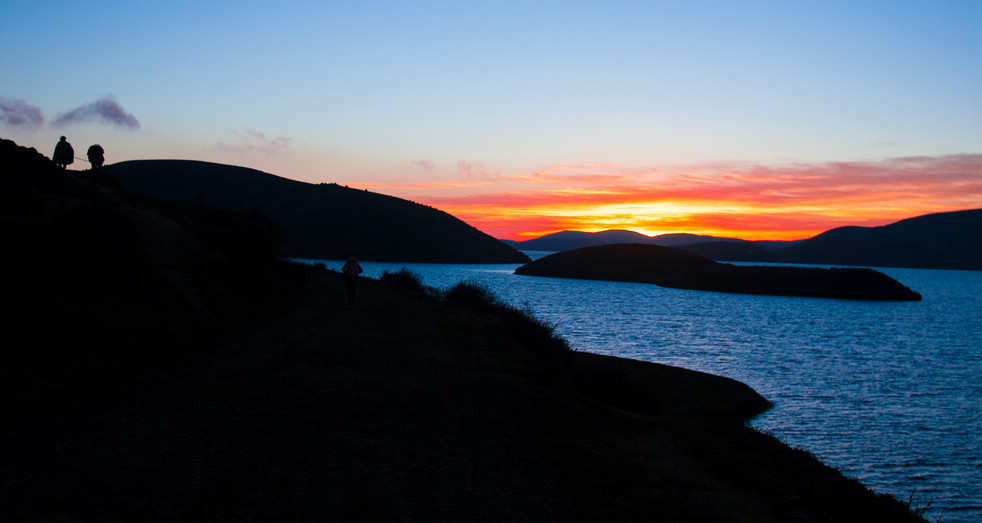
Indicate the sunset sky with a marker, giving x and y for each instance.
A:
(754, 119)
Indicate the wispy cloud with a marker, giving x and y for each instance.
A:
(104, 110)
(421, 187)
(251, 141)
(15, 112)
(473, 168)
(425, 165)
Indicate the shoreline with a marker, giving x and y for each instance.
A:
(401, 407)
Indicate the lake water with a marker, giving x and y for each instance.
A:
(887, 392)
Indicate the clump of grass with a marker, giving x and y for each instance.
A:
(474, 296)
(918, 506)
(409, 280)
(521, 323)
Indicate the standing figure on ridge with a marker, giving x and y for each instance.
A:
(351, 270)
(64, 154)
(96, 157)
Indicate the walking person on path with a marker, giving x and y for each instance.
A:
(351, 270)
(64, 154)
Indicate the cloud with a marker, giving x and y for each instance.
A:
(251, 141)
(888, 143)
(472, 168)
(15, 112)
(426, 165)
(105, 110)
(941, 178)
(465, 168)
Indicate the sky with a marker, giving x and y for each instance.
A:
(753, 119)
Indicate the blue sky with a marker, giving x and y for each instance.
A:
(441, 100)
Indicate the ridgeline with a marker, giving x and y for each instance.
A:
(325, 221)
(162, 363)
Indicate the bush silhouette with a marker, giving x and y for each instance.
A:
(521, 324)
(407, 279)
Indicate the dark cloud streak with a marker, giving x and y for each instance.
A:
(426, 165)
(106, 110)
(250, 141)
(15, 112)
(472, 168)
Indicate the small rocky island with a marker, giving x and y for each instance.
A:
(675, 268)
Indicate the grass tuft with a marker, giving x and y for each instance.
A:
(520, 323)
(408, 280)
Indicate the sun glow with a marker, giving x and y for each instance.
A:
(753, 202)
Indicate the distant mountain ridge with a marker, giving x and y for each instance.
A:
(568, 240)
(325, 221)
(951, 240)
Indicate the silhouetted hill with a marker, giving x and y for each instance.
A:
(325, 221)
(671, 267)
(730, 251)
(951, 240)
(160, 363)
(569, 240)
(566, 240)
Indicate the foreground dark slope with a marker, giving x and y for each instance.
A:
(170, 368)
(325, 221)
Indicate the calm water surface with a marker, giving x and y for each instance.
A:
(888, 393)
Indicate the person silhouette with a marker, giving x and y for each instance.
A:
(64, 154)
(351, 270)
(96, 157)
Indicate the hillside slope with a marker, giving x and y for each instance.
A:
(951, 240)
(325, 221)
(162, 364)
(98, 276)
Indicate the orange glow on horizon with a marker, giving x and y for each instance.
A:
(744, 226)
(751, 202)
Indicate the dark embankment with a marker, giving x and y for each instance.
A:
(325, 221)
(95, 279)
(670, 267)
(161, 364)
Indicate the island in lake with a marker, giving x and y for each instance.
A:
(679, 269)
